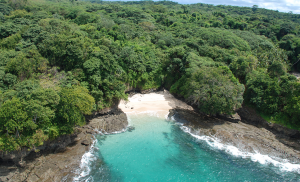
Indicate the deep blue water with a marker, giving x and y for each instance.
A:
(159, 150)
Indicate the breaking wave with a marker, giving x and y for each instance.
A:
(215, 143)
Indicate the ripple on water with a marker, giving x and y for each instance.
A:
(161, 150)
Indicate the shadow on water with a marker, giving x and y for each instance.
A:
(187, 156)
(166, 135)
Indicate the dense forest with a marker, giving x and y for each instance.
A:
(61, 60)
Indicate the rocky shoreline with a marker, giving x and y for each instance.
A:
(249, 134)
(59, 159)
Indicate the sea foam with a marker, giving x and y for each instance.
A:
(83, 172)
(85, 163)
(282, 164)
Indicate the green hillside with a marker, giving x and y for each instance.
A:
(60, 61)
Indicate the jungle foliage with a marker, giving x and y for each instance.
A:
(60, 61)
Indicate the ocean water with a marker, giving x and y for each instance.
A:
(162, 150)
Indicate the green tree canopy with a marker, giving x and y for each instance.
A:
(212, 90)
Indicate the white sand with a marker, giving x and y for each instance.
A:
(161, 102)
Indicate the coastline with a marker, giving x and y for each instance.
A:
(63, 163)
(249, 134)
(245, 133)
(242, 139)
(60, 159)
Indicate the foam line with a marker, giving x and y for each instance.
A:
(86, 160)
(89, 157)
(285, 165)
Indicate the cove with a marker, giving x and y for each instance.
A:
(159, 150)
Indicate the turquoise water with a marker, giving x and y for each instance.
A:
(159, 150)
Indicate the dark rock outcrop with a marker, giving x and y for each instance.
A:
(85, 142)
(250, 116)
(235, 118)
(54, 161)
(109, 123)
(50, 146)
(285, 135)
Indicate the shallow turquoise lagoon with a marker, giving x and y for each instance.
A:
(159, 150)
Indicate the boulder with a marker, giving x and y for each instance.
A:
(85, 142)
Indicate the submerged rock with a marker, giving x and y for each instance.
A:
(130, 128)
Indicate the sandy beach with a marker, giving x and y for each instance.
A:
(160, 102)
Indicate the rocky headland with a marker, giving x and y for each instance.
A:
(59, 159)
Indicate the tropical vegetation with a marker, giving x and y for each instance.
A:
(62, 60)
